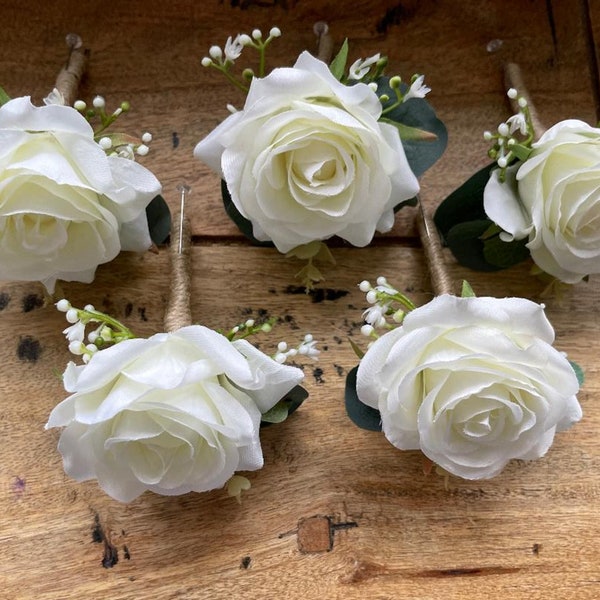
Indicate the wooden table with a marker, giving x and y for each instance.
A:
(337, 512)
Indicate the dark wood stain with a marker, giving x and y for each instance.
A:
(31, 302)
(4, 300)
(29, 349)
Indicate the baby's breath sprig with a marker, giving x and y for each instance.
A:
(248, 328)
(307, 347)
(386, 302)
(114, 144)
(507, 148)
(223, 59)
(109, 330)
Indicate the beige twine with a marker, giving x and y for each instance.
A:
(67, 81)
(441, 281)
(513, 78)
(178, 312)
(324, 41)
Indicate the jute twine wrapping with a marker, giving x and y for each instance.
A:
(441, 282)
(514, 79)
(325, 41)
(67, 82)
(179, 312)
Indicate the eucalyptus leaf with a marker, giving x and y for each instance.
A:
(416, 113)
(578, 371)
(466, 243)
(338, 64)
(159, 219)
(4, 97)
(360, 414)
(504, 254)
(285, 407)
(463, 204)
(244, 225)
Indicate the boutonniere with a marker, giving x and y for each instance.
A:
(540, 198)
(472, 382)
(318, 150)
(177, 412)
(72, 195)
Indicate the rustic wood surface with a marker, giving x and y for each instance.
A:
(337, 512)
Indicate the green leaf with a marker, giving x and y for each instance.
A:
(504, 254)
(357, 349)
(463, 204)
(416, 113)
(466, 243)
(471, 236)
(360, 414)
(338, 64)
(410, 133)
(285, 407)
(578, 371)
(244, 225)
(467, 290)
(159, 219)
(4, 97)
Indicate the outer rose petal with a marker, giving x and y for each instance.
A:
(502, 204)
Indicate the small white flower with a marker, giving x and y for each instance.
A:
(233, 48)
(206, 61)
(98, 102)
(76, 332)
(359, 68)
(54, 97)
(417, 89)
(215, 53)
(105, 143)
(80, 105)
(275, 32)
(147, 137)
(517, 122)
(142, 150)
(63, 305)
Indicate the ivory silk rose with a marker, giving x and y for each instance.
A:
(553, 198)
(472, 382)
(174, 413)
(65, 206)
(307, 159)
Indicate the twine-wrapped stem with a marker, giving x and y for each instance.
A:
(441, 282)
(67, 81)
(324, 41)
(513, 78)
(179, 312)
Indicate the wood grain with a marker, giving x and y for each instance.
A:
(337, 512)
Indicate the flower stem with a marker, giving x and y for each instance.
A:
(69, 77)
(514, 79)
(440, 279)
(178, 312)
(324, 41)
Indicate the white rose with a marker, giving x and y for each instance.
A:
(173, 413)
(65, 207)
(307, 158)
(553, 198)
(472, 382)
